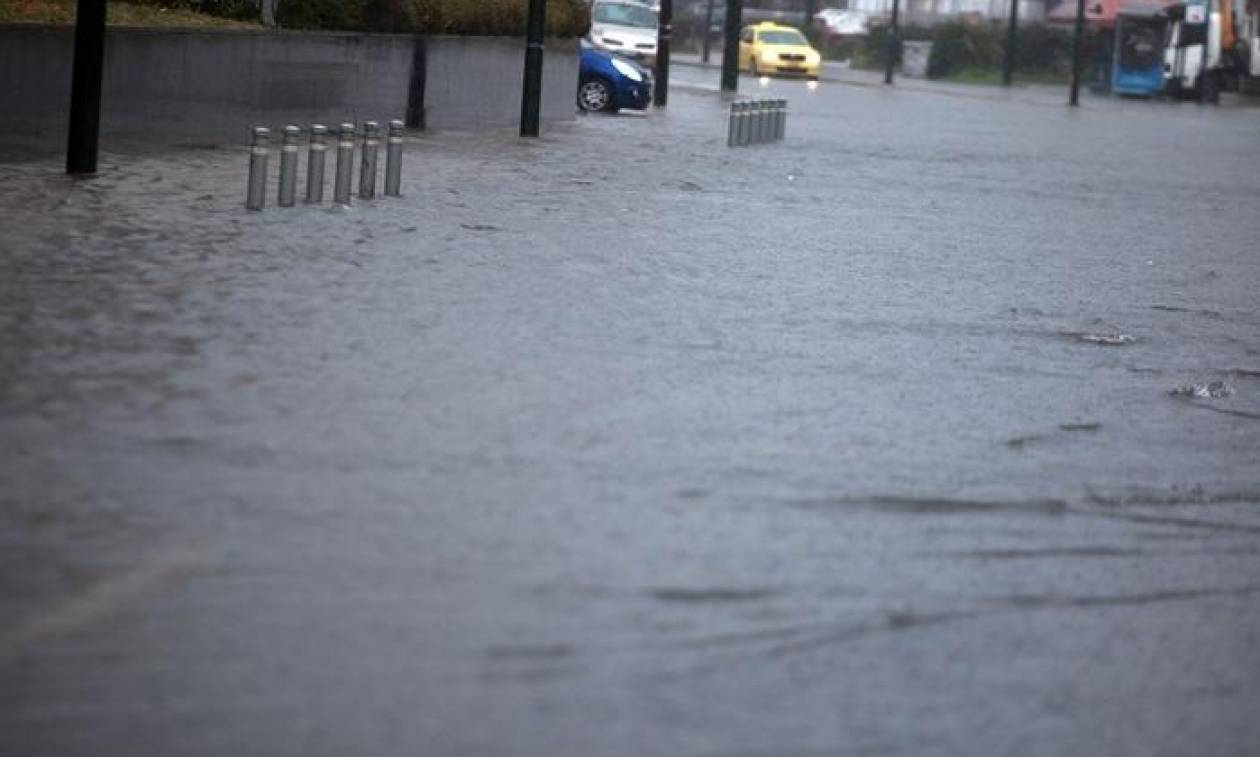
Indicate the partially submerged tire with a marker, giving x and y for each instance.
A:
(595, 95)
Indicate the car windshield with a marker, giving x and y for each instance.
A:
(625, 14)
(784, 37)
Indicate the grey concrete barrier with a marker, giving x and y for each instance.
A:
(256, 187)
(315, 165)
(286, 194)
(755, 122)
(367, 167)
(345, 164)
(393, 159)
(287, 191)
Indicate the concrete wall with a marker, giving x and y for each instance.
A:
(460, 89)
(186, 86)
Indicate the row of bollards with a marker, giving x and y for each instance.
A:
(256, 193)
(756, 121)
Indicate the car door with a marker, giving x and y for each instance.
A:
(746, 47)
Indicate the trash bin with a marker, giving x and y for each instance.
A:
(914, 58)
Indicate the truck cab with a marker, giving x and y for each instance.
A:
(1192, 54)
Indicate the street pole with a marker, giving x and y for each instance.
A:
(1008, 61)
(531, 88)
(809, 17)
(730, 46)
(708, 24)
(665, 32)
(892, 44)
(85, 87)
(1077, 38)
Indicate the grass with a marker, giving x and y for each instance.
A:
(118, 14)
(993, 77)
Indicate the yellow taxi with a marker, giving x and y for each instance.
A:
(768, 48)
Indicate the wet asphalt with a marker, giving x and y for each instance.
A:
(880, 440)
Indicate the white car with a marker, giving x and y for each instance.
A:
(625, 27)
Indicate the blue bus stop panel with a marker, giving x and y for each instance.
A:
(1138, 62)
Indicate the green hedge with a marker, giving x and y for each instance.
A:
(960, 46)
(500, 18)
(495, 18)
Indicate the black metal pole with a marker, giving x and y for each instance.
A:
(892, 45)
(1078, 35)
(531, 88)
(1008, 61)
(809, 17)
(85, 88)
(665, 32)
(730, 46)
(708, 24)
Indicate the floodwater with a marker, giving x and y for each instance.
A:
(621, 442)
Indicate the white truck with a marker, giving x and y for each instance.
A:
(1206, 51)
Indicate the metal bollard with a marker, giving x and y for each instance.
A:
(345, 164)
(256, 190)
(315, 165)
(731, 122)
(760, 133)
(745, 123)
(288, 166)
(367, 167)
(780, 108)
(393, 160)
(783, 121)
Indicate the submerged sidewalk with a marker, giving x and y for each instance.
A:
(621, 443)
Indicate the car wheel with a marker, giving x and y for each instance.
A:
(596, 95)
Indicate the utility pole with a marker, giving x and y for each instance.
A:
(893, 44)
(531, 88)
(708, 24)
(665, 32)
(809, 17)
(1077, 38)
(1008, 61)
(730, 46)
(85, 87)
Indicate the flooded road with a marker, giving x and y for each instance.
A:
(885, 439)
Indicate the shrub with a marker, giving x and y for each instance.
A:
(1041, 47)
(565, 18)
(959, 45)
(320, 14)
(240, 10)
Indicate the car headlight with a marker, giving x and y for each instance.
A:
(768, 56)
(627, 70)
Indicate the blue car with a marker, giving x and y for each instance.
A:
(607, 82)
